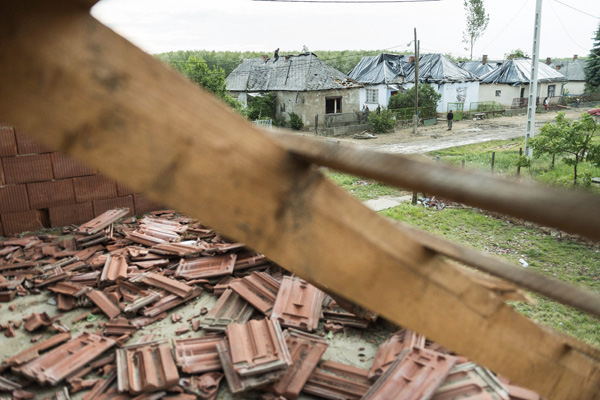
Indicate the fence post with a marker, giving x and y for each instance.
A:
(493, 160)
(316, 124)
(519, 165)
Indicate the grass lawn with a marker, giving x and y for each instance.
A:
(364, 189)
(564, 259)
(479, 156)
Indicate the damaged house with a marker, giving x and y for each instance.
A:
(509, 84)
(382, 76)
(574, 71)
(482, 67)
(455, 84)
(303, 84)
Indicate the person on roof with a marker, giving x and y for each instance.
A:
(305, 50)
(276, 55)
(449, 118)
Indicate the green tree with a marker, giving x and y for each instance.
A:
(518, 53)
(428, 97)
(592, 69)
(213, 80)
(261, 107)
(570, 138)
(477, 22)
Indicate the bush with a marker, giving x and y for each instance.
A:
(280, 121)
(382, 122)
(428, 97)
(296, 122)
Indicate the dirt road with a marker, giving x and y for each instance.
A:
(465, 132)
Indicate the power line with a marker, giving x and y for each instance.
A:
(566, 31)
(348, 1)
(576, 9)
(506, 26)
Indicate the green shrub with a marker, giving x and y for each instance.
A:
(296, 122)
(280, 121)
(382, 122)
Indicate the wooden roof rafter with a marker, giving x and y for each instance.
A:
(76, 86)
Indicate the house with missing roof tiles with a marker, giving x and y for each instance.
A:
(455, 84)
(574, 71)
(509, 84)
(381, 76)
(480, 68)
(302, 84)
(387, 74)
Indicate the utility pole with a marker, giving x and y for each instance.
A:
(531, 103)
(416, 116)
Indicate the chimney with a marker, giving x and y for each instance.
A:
(484, 60)
(510, 57)
(548, 61)
(411, 59)
(575, 57)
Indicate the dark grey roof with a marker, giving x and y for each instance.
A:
(437, 68)
(383, 68)
(289, 73)
(574, 70)
(517, 72)
(477, 68)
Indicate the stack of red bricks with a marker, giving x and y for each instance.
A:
(40, 188)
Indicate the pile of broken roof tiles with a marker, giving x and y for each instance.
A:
(263, 335)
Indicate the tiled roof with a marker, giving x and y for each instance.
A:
(289, 73)
(574, 70)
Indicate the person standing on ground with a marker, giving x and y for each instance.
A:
(364, 113)
(546, 104)
(449, 118)
(378, 110)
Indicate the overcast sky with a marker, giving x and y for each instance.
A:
(159, 26)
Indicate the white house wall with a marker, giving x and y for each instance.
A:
(382, 98)
(575, 87)
(469, 91)
(455, 92)
(487, 92)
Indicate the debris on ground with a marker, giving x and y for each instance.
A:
(364, 135)
(266, 334)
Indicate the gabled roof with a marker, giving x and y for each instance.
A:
(517, 72)
(437, 68)
(574, 70)
(479, 69)
(383, 68)
(289, 73)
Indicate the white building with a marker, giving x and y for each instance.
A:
(509, 84)
(381, 76)
(455, 84)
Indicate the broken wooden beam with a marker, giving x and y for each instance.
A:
(301, 220)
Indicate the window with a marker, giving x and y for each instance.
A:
(373, 96)
(333, 105)
(551, 90)
(498, 93)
